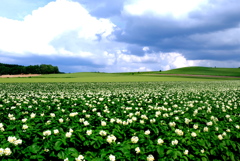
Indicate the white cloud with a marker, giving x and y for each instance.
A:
(35, 33)
(175, 8)
(148, 62)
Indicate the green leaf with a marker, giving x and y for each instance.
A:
(185, 158)
(61, 155)
(57, 145)
(169, 152)
(34, 148)
(72, 151)
(204, 159)
(160, 151)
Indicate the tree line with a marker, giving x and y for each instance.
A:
(31, 69)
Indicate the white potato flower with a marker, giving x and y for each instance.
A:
(71, 130)
(7, 151)
(160, 141)
(172, 124)
(137, 149)
(187, 121)
(24, 127)
(86, 123)
(150, 158)
(56, 131)
(52, 114)
(134, 139)
(147, 132)
(179, 132)
(79, 158)
(224, 134)
(112, 120)
(103, 133)
(32, 115)
(48, 122)
(227, 116)
(47, 133)
(193, 134)
(60, 120)
(185, 152)
(141, 121)
(195, 126)
(112, 157)
(12, 139)
(89, 132)
(175, 142)
(17, 142)
(111, 138)
(1, 151)
(209, 123)
(153, 120)
(68, 134)
(205, 129)
(220, 137)
(81, 120)
(24, 120)
(103, 123)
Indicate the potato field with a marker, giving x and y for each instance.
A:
(120, 121)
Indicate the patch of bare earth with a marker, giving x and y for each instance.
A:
(191, 75)
(19, 75)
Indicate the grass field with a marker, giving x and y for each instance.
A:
(134, 76)
(234, 72)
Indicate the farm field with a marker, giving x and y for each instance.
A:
(231, 72)
(181, 120)
(113, 77)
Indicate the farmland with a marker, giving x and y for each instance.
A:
(182, 120)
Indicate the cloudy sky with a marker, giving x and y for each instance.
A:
(120, 35)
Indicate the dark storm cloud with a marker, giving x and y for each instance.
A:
(166, 34)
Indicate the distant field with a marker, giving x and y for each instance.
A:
(136, 76)
(234, 72)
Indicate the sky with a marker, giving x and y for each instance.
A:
(120, 35)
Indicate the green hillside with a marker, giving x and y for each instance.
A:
(205, 71)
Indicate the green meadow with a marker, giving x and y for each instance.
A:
(135, 76)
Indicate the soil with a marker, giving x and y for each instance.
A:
(19, 75)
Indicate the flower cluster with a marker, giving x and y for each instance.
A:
(111, 138)
(175, 142)
(179, 132)
(69, 134)
(1, 127)
(47, 133)
(14, 140)
(6, 151)
(160, 141)
(134, 139)
(150, 158)
(80, 158)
